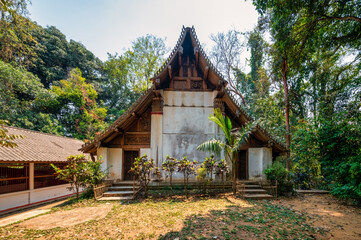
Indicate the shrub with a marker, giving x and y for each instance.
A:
(81, 172)
(142, 168)
(222, 169)
(277, 172)
(74, 172)
(187, 168)
(210, 164)
(170, 165)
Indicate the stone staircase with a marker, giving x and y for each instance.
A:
(253, 190)
(122, 190)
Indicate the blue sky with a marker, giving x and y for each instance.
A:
(111, 25)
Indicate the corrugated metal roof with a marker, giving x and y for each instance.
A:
(39, 147)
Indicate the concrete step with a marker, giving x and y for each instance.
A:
(121, 188)
(250, 186)
(118, 193)
(255, 191)
(115, 198)
(258, 196)
(125, 183)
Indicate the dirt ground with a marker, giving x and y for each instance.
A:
(66, 218)
(342, 221)
(222, 217)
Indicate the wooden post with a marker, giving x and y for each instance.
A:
(133, 186)
(276, 188)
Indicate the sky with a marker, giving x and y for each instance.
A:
(110, 26)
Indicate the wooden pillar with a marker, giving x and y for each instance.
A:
(31, 176)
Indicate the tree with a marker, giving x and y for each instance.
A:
(145, 57)
(56, 57)
(6, 139)
(77, 107)
(187, 168)
(81, 172)
(170, 165)
(16, 42)
(74, 173)
(231, 142)
(210, 164)
(225, 54)
(25, 102)
(142, 168)
(117, 92)
(305, 31)
(222, 169)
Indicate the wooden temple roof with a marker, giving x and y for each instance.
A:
(187, 46)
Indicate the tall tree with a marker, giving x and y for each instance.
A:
(226, 56)
(78, 111)
(146, 56)
(56, 57)
(25, 102)
(16, 42)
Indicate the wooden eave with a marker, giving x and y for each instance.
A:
(134, 111)
(213, 75)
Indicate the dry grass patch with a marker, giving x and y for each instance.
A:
(224, 217)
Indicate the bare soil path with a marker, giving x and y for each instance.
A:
(342, 221)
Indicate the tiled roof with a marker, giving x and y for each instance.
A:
(39, 147)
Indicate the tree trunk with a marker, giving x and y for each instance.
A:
(287, 111)
(170, 180)
(234, 185)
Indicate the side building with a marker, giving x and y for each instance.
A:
(26, 176)
(171, 118)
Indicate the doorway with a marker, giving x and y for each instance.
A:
(129, 157)
(242, 165)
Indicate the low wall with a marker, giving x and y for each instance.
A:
(23, 198)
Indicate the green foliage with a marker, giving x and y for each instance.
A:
(146, 56)
(94, 172)
(16, 42)
(209, 164)
(170, 165)
(306, 156)
(76, 101)
(74, 172)
(142, 168)
(25, 102)
(56, 56)
(277, 172)
(231, 142)
(222, 169)
(6, 139)
(187, 168)
(81, 173)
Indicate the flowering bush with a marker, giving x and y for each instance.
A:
(187, 168)
(170, 165)
(142, 168)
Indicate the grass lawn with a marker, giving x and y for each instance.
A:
(224, 217)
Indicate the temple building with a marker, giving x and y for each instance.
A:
(171, 118)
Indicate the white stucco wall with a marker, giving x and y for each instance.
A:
(115, 163)
(23, 198)
(186, 123)
(144, 151)
(156, 138)
(103, 154)
(258, 160)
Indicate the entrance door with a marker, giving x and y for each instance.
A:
(242, 166)
(129, 157)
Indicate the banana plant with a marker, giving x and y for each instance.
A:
(232, 140)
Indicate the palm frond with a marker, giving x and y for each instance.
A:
(213, 146)
(243, 134)
(223, 122)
